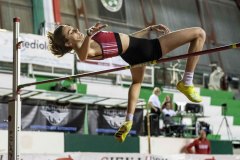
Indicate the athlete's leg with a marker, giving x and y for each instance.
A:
(133, 94)
(134, 90)
(196, 37)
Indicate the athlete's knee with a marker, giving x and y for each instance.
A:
(200, 33)
(137, 82)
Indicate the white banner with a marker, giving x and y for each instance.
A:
(34, 50)
(121, 156)
(99, 65)
(124, 76)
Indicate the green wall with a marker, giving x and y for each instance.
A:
(216, 93)
(104, 143)
(221, 147)
(220, 97)
(95, 143)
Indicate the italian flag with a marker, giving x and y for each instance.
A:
(45, 13)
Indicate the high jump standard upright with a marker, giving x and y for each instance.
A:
(14, 104)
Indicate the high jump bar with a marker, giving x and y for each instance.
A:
(162, 60)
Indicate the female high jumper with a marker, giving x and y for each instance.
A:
(133, 49)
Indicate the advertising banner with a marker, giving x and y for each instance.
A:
(34, 50)
(106, 121)
(121, 156)
(48, 116)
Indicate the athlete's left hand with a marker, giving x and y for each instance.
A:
(160, 28)
(97, 27)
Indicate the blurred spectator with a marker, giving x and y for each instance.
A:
(201, 144)
(171, 127)
(154, 102)
(168, 113)
(59, 87)
(215, 77)
(166, 100)
(224, 82)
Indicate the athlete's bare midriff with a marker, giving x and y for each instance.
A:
(96, 51)
(125, 41)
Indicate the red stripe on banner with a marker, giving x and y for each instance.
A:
(56, 11)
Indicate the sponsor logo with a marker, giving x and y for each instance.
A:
(35, 45)
(57, 116)
(54, 115)
(134, 158)
(29, 43)
(112, 5)
(114, 117)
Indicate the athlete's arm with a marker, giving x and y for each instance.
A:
(141, 33)
(158, 28)
(84, 49)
